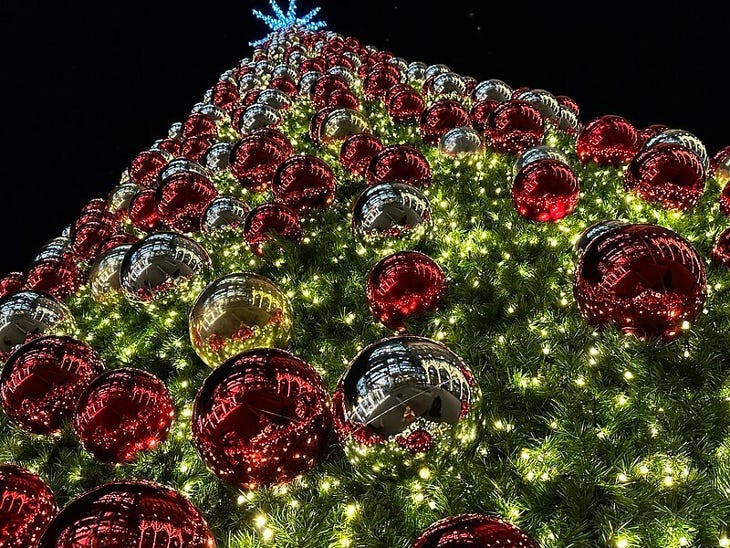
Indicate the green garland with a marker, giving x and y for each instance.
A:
(587, 438)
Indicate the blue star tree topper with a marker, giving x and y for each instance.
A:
(282, 21)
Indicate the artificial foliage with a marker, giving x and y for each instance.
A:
(585, 438)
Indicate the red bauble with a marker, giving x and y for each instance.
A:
(127, 514)
(404, 285)
(721, 249)
(261, 418)
(514, 126)
(304, 182)
(608, 141)
(56, 277)
(225, 95)
(480, 114)
(324, 87)
(357, 152)
(182, 199)
(651, 131)
(285, 85)
(121, 238)
(342, 98)
(146, 167)
(195, 148)
(405, 104)
(86, 238)
(378, 81)
(315, 124)
(644, 279)
(43, 380)
(199, 124)
(271, 220)
(473, 531)
(122, 413)
(667, 174)
(720, 165)
(440, 118)
(399, 164)
(254, 159)
(101, 216)
(568, 103)
(12, 283)
(97, 204)
(171, 146)
(143, 211)
(26, 507)
(545, 190)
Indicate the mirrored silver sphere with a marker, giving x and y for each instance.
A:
(460, 141)
(105, 276)
(493, 89)
(224, 211)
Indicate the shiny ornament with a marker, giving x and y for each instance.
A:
(182, 199)
(440, 118)
(104, 278)
(307, 81)
(27, 507)
(59, 278)
(608, 141)
(402, 402)
(239, 312)
(183, 166)
(514, 126)
(324, 87)
(129, 514)
(274, 98)
(315, 123)
(651, 131)
(42, 381)
(175, 131)
(720, 166)
(494, 90)
(416, 72)
(254, 159)
(225, 95)
(378, 81)
(340, 124)
(343, 99)
(304, 182)
(683, 139)
(536, 154)
(357, 151)
(545, 190)
(447, 83)
(120, 198)
(261, 418)
(404, 285)
(473, 530)
(147, 166)
(542, 100)
(199, 124)
(399, 164)
(460, 141)
(269, 221)
(405, 104)
(480, 114)
(88, 236)
(218, 157)
(195, 148)
(56, 248)
(11, 283)
(389, 211)
(143, 211)
(153, 265)
(256, 117)
(27, 315)
(721, 249)
(644, 279)
(123, 413)
(567, 121)
(343, 72)
(225, 211)
(248, 82)
(667, 174)
(435, 70)
(568, 103)
(725, 199)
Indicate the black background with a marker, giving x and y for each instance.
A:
(86, 87)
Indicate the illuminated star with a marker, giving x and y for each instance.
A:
(282, 21)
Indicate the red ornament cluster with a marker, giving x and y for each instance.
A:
(27, 507)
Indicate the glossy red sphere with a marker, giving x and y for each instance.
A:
(721, 249)
(225, 95)
(42, 381)
(480, 114)
(182, 200)
(86, 239)
(195, 148)
(357, 152)
(304, 182)
(545, 191)
(644, 279)
(720, 165)
(199, 124)
(315, 124)
(440, 118)
(261, 418)
(285, 85)
(651, 131)
(404, 285)
(608, 141)
(405, 104)
(143, 211)
(324, 87)
(11, 283)
(122, 413)
(58, 277)
(667, 174)
(378, 81)
(399, 164)
(129, 514)
(27, 507)
(121, 238)
(514, 126)
(473, 531)
(146, 167)
(171, 146)
(269, 221)
(342, 98)
(254, 159)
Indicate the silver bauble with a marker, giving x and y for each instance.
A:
(258, 116)
(460, 141)
(535, 154)
(224, 211)
(342, 72)
(684, 139)
(55, 248)
(307, 81)
(175, 131)
(182, 165)
(447, 83)
(105, 276)
(493, 89)
(435, 70)
(121, 196)
(218, 157)
(542, 100)
(416, 72)
(247, 83)
(342, 123)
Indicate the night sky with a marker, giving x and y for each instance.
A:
(87, 87)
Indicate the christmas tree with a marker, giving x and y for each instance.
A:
(358, 301)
